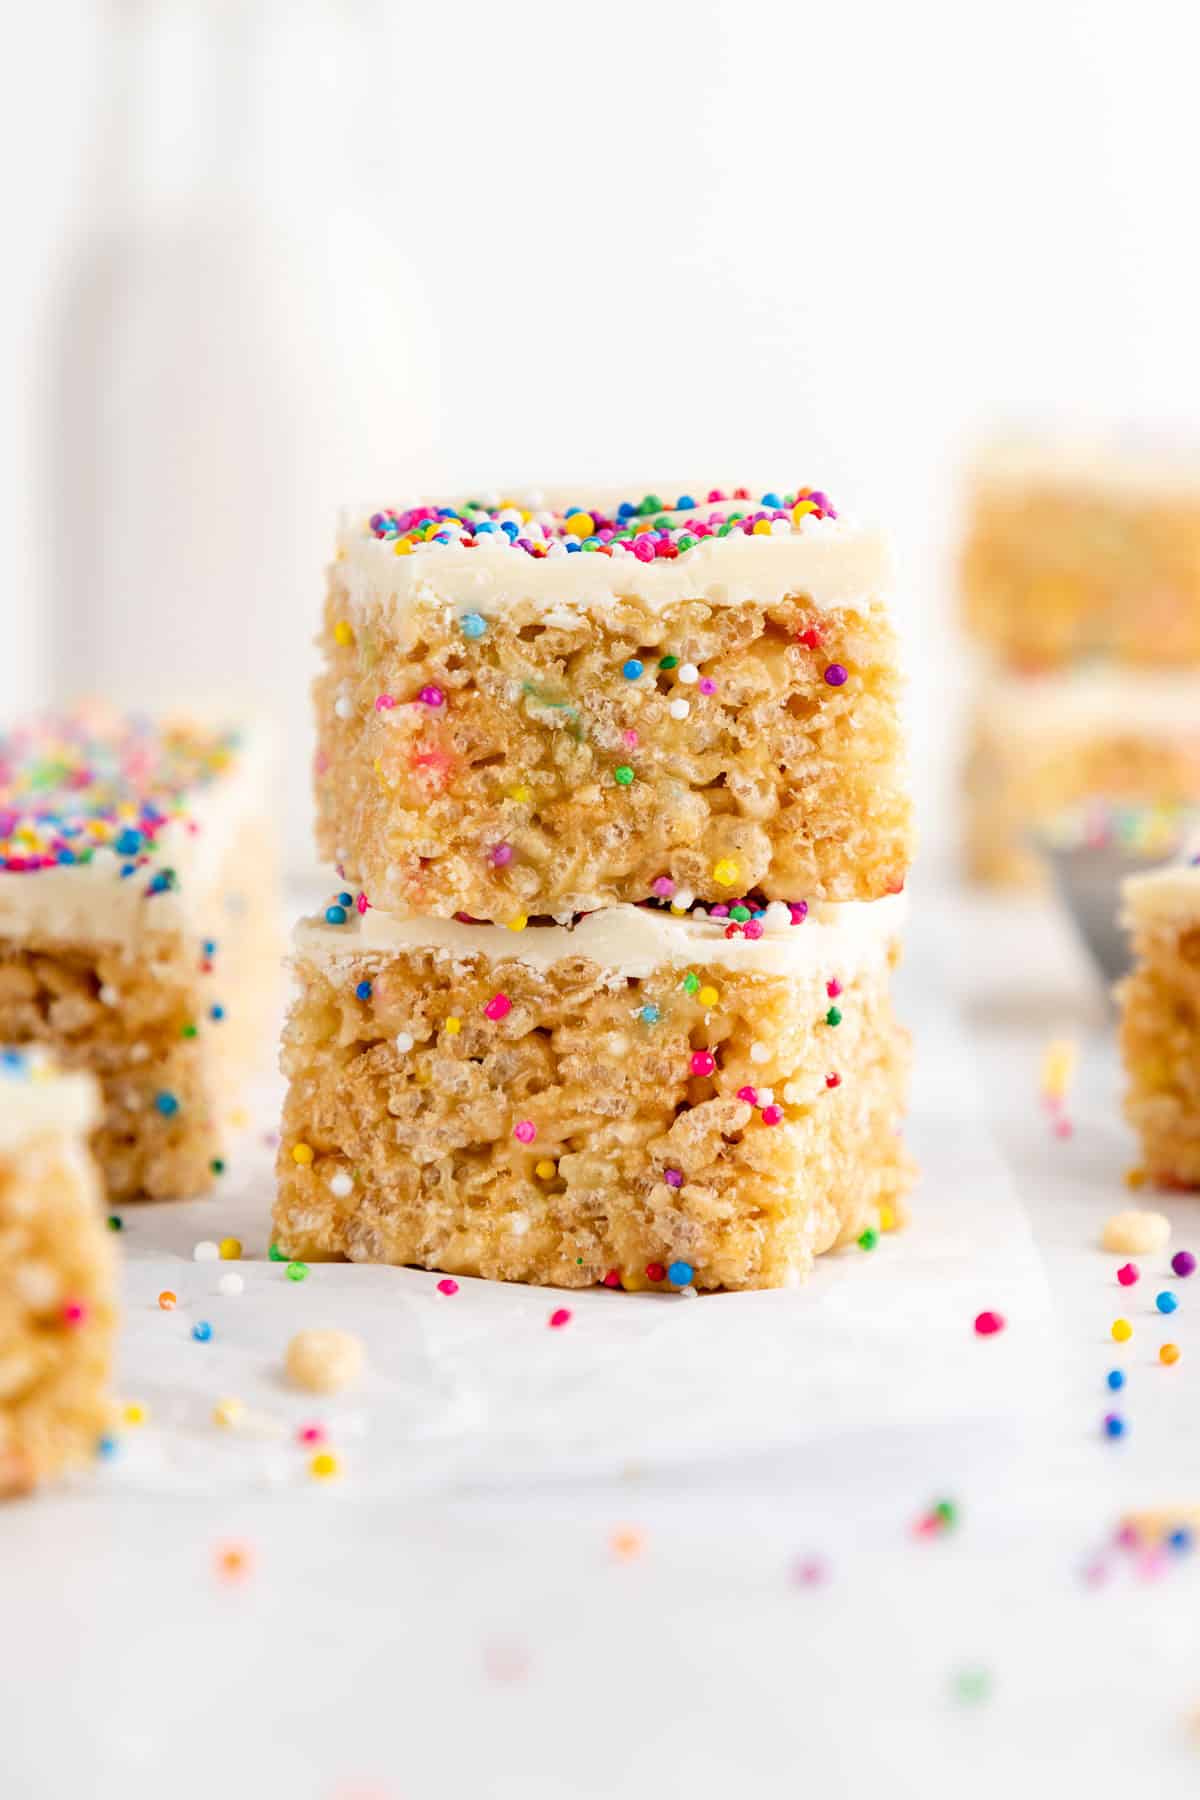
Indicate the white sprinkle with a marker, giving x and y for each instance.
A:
(777, 916)
(518, 1224)
(683, 899)
(341, 1184)
(404, 1042)
(759, 1053)
(688, 1292)
(766, 1096)
(688, 674)
(679, 709)
(343, 708)
(793, 1093)
(780, 527)
(109, 995)
(230, 1285)
(205, 1251)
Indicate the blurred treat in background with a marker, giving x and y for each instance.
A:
(1080, 588)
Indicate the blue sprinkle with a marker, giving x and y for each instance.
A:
(572, 549)
(1116, 1379)
(335, 915)
(345, 899)
(202, 1331)
(680, 1273)
(684, 503)
(106, 1446)
(650, 1015)
(473, 625)
(1166, 1303)
(209, 946)
(1114, 1426)
(128, 842)
(633, 668)
(363, 991)
(127, 871)
(1181, 1539)
(65, 856)
(509, 527)
(167, 1104)
(485, 526)
(771, 500)
(217, 1013)
(626, 509)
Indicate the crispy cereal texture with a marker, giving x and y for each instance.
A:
(546, 782)
(1160, 1045)
(424, 1155)
(1052, 572)
(57, 1315)
(1014, 781)
(144, 1026)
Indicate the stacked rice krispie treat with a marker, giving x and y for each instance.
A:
(616, 791)
(1081, 593)
(138, 920)
(57, 1274)
(1160, 1021)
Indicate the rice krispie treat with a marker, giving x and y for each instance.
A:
(1160, 1022)
(642, 1100)
(1078, 549)
(57, 1274)
(138, 928)
(539, 708)
(1044, 745)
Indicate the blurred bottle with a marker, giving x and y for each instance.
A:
(237, 350)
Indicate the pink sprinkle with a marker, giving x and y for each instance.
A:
(500, 855)
(560, 1317)
(498, 1007)
(630, 739)
(1063, 1128)
(320, 764)
(1096, 1572)
(663, 886)
(74, 1312)
(749, 1095)
(707, 685)
(384, 703)
(643, 548)
(833, 989)
(1152, 1562)
(448, 1286)
(362, 903)
(835, 675)
(613, 1278)
(1128, 1273)
(772, 1115)
(988, 1323)
(808, 1571)
(311, 1434)
(798, 910)
(431, 696)
(673, 1177)
(703, 1062)
(1127, 1537)
(525, 1131)
(753, 928)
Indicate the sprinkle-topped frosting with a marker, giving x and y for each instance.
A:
(37, 1097)
(105, 818)
(649, 528)
(722, 546)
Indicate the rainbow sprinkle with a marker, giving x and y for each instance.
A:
(651, 529)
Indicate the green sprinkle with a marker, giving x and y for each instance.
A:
(971, 1686)
(686, 542)
(833, 1016)
(946, 1512)
(740, 913)
(115, 1224)
(188, 1030)
(623, 776)
(668, 662)
(276, 1254)
(691, 982)
(217, 1165)
(724, 530)
(869, 1238)
(296, 1271)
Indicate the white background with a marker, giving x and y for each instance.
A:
(804, 242)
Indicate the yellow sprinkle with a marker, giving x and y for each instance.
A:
(134, 1413)
(545, 1168)
(403, 547)
(708, 996)
(1122, 1330)
(801, 510)
(725, 872)
(1135, 1178)
(522, 795)
(887, 1218)
(343, 633)
(1058, 1066)
(237, 1118)
(228, 1412)
(1169, 1353)
(519, 923)
(231, 1248)
(762, 528)
(324, 1464)
(582, 524)
(302, 1153)
(453, 1026)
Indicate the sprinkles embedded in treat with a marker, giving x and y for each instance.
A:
(651, 529)
(77, 783)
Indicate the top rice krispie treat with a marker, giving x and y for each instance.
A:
(543, 706)
(1077, 549)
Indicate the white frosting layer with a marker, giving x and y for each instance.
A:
(50, 1102)
(1103, 701)
(92, 903)
(1170, 893)
(834, 562)
(632, 941)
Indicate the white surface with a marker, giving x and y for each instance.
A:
(451, 1619)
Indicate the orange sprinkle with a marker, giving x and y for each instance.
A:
(167, 1300)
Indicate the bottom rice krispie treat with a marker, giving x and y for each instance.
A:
(1160, 1022)
(57, 1274)
(639, 1100)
